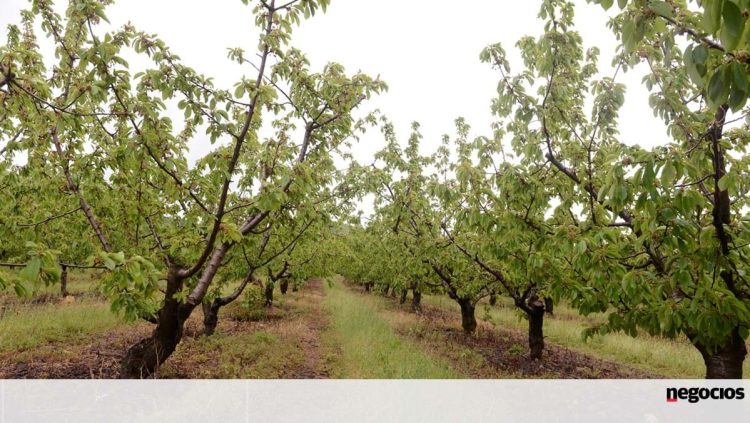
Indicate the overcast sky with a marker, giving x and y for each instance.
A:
(426, 50)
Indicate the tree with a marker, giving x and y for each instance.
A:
(195, 215)
(494, 215)
(410, 210)
(652, 242)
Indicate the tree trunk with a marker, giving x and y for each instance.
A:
(144, 358)
(416, 301)
(404, 293)
(284, 286)
(468, 321)
(385, 292)
(64, 281)
(367, 287)
(294, 287)
(548, 305)
(210, 317)
(269, 294)
(725, 362)
(536, 329)
(493, 299)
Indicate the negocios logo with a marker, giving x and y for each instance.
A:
(693, 395)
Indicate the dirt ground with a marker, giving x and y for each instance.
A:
(494, 352)
(284, 342)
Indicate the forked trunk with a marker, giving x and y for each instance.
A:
(536, 329)
(416, 300)
(144, 358)
(468, 320)
(726, 361)
(64, 281)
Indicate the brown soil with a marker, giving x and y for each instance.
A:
(494, 352)
(98, 357)
(296, 325)
(317, 321)
(285, 342)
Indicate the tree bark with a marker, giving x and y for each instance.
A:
(210, 317)
(404, 293)
(211, 310)
(548, 305)
(269, 294)
(144, 358)
(64, 281)
(284, 286)
(726, 361)
(468, 320)
(493, 299)
(416, 300)
(535, 313)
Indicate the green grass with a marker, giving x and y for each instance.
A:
(367, 346)
(252, 355)
(661, 356)
(27, 328)
(80, 283)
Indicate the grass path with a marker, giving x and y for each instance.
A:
(365, 345)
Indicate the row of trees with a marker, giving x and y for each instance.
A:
(554, 205)
(106, 183)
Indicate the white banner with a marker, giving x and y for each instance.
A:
(309, 401)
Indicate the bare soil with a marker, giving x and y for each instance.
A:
(294, 326)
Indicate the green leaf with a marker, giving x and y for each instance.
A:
(700, 55)
(727, 182)
(108, 262)
(718, 88)
(712, 15)
(739, 77)
(31, 271)
(662, 8)
(739, 92)
(734, 25)
(668, 173)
